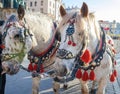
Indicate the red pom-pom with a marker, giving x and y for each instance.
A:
(78, 74)
(112, 77)
(85, 76)
(115, 73)
(73, 44)
(69, 42)
(86, 56)
(41, 68)
(30, 67)
(92, 75)
(35, 67)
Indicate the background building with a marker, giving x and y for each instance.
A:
(48, 7)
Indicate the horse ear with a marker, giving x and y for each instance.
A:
(84, 10)
(62, 11)
(21, 12)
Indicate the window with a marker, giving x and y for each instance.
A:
(35, 3)
(53, 12)
(33, 10)
(42, 3)
(53, 5)
(50, 11)
(41, 10)
(30, 4)
(50, 4)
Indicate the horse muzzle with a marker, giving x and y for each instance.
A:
(10, 68)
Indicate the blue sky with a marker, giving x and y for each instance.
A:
(104, 9)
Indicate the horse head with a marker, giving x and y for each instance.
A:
(79, 33)
(17, 42)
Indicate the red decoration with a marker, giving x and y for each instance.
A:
(106, 28)
(92, 75)
(2, 46)
(109, 41)
(85, 76)
(114, 51)
(78, 74)
(86, 56)
(115, 62)
(112, 77)
(30, 67)
(69, 42)
(73, 44)
(41, 68)
(35, 67)
(115, 73)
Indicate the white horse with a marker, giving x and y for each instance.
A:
(33, 34)
(83, 52)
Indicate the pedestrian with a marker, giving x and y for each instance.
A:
(2, 76)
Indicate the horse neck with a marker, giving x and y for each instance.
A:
(42, 36)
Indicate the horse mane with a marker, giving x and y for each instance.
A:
(96, 25)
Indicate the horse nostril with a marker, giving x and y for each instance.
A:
(65, 70)
(8, 69)
(17, 36)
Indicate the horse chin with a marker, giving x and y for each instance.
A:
(10, 68)
(61, 70)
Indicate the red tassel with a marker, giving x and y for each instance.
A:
(78, 74)
(92, 75)
(85, 76)
(41, 68)
(115, 73)
(35, 67)
(69, 42)
(86, 56)
(112, 77)
(30, 67)
(73, 44)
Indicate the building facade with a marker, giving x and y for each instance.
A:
(48, 7)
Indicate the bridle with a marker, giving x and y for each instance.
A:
(23, 34)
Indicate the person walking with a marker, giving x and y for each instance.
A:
(2, 76)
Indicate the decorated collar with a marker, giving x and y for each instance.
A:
(36, 61)
(82, 64)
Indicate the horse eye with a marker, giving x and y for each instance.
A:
(16, 36)
(63, 23)
(79, 34)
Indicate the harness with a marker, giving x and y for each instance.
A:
(36, 61)
(80, 68)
